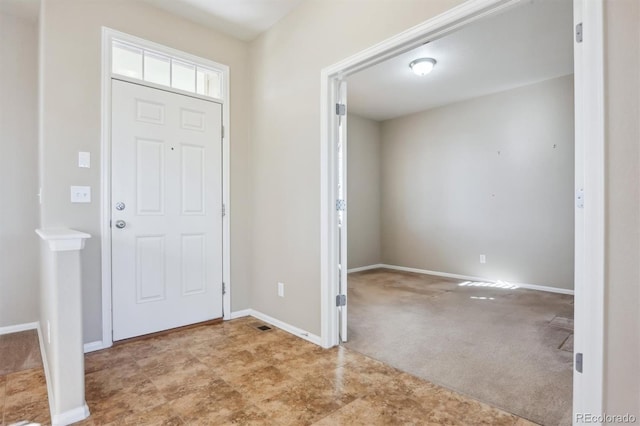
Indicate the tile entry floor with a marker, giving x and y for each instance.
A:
(233, 373)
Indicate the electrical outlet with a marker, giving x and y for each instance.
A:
(281, 289)
(80, 194)
(483, 258)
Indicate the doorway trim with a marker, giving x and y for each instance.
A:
(108, 35)
(590, 167)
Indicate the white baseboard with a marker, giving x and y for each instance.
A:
(546, 288)
(470, 278)
(94, 346)
(71, 416)
(240, 314)
(19, 327)
(287, 327)
(365, 268)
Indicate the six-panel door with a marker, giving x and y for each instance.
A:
(166, 196)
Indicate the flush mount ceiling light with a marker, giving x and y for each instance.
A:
(422, 66)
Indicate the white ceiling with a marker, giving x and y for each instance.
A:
(243, 19)
(528, 43)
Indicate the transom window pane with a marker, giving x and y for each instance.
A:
(138, 63)
(157, 68)
(127, 60)
(209, 83)
(183, 76)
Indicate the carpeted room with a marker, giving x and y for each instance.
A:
(460, 219)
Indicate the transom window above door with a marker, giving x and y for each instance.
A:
(138, 63)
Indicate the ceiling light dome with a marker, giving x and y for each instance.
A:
(422, 66)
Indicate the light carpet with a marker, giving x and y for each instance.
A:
(510, 348)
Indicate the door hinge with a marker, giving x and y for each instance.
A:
(579, 362)
(341, 300)
(224, 210)
(222, 132)
(224, 288)
(579, 33)
(580, 198)
(341, 109)
(341, 205)
(109, 224)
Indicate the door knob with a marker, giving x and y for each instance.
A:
(120, 224)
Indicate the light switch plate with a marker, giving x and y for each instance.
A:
(84, 160)
(80, 194)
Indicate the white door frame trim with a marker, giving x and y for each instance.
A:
(588, 388)
(589, 304)
(108, 35)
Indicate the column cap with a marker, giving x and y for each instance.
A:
(63, 239)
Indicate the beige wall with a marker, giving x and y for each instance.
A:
(622, 280)
(18, 171)
(285, 140)
(71, 123)
(363, 192)
(492, 175)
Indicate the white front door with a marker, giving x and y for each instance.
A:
(166, 210)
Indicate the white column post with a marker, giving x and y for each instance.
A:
(61, 323)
